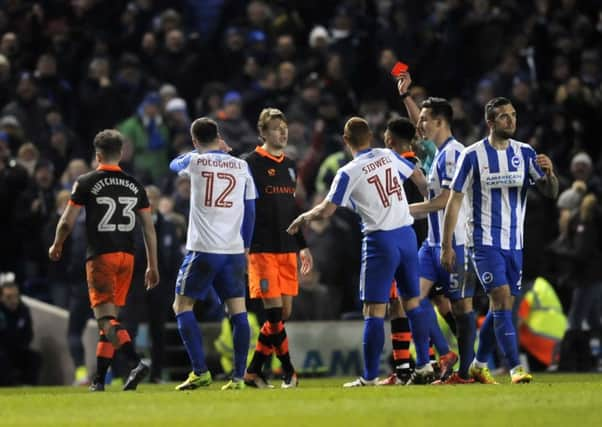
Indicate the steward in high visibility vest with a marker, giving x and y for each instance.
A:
(542, 322)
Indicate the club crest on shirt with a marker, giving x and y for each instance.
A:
(292, 174)
(272, 172)
(515, 161)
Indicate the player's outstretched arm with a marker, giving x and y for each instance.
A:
(419, 180)
(321, 211)
(63, 229)
(450, 219)
(420, 209)
(403, 86)
(181, 162)
(548, 185)
(151, 277)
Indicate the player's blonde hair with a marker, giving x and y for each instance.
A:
(266, 115)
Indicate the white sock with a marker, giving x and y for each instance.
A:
(479, 364)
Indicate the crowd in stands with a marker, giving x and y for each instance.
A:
(69, 69)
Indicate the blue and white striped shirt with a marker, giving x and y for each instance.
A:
(440, 178)
(495, 183)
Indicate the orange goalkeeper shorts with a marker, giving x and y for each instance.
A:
(272, 275)
(109, 277)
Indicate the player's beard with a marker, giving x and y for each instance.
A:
(504, 134)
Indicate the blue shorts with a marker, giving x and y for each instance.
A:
(201, 271)
(388, 255)
(496, 267)
(453, 285)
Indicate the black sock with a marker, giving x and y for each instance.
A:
(128, 351)
(263, 350)
(451, 321)
(104, 357)
(400, 340)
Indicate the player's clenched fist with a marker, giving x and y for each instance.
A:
(55, 252)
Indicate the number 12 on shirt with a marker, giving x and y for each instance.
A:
(220, 201)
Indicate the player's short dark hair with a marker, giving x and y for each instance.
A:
(357, 131)
(204, 130)
(440, 107)
(109, 142)
(401, 128)
(493, 104)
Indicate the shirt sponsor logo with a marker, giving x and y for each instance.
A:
(503, 179)
(279, 189)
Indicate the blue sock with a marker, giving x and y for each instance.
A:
(374, 339)
(506, 336)
(466, 329)
(437, 338)
(419, 324)
(241, 334)
(191, 337)
(486, 339)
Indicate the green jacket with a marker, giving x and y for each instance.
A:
(147, 161)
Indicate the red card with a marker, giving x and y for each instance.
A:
(399, 68)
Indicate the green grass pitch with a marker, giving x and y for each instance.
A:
(552, 400)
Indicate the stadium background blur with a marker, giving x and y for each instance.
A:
(147, 67)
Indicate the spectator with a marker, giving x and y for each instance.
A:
(35, 206)
(28, 108)
(235, 130)
(176, 116)
(12, 132)
(582, 170)
(28, 157)
(20, 364)
(98, 99)
(149, 135)
(585, 238)
(75, 168)
(13, 180)
(304, 106)
(6, 83)
(52, 87)
(131, 83)
(182, 196)
(232, 54)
